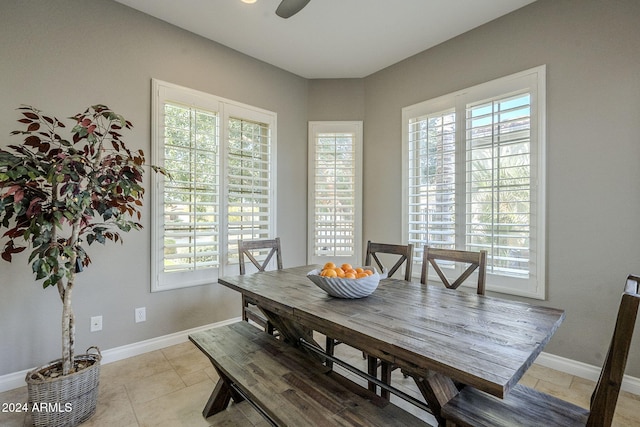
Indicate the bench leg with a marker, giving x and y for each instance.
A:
(221, 396)
(219, 399)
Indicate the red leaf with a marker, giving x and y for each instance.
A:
(33, 127)
(31, 115)
(32, 141)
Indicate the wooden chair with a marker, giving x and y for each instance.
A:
(404, 255)
(404, 252)
(476, 261)
(248, 248)
(524, 406)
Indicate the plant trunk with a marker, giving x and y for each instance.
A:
(68, 318)
(68, 331)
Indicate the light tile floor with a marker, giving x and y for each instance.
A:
(170, 387)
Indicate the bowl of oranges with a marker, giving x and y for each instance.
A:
(345, 281)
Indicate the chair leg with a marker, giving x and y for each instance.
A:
(372, 369)
(330, 345)
(385, 377)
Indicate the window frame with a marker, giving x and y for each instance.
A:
(315, 128)
(168, 92)
(533, 80)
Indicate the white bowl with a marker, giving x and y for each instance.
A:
(346, 288)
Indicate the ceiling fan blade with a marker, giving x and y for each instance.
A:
(289, 8)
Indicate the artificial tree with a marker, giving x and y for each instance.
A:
(58, 194)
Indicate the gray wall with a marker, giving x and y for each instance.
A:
(64, 55)
(592, 52)
(56, 55)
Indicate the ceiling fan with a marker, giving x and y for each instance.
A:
(288, 8)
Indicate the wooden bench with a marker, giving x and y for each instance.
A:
(286, 385)
(528, 407)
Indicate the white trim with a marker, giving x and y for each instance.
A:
(17, 379)
(583, 370)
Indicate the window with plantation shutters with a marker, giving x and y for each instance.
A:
(499, 182)
(474, 178)
(191, 197)
(220, 185)
(335, 188)
(432, 179)
(249, 188)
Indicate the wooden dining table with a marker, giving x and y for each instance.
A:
(440, 337)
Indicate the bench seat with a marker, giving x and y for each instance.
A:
(288, 386)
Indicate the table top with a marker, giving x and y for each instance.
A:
(482, 341)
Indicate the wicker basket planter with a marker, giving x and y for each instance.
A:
(65, 400)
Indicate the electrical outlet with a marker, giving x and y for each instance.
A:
(141, 314)
(96, 323)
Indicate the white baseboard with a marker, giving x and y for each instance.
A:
(579, 369)
(583, 370)
(17, 379)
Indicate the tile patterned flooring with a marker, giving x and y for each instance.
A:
(169, 387)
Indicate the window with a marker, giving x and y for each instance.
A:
(219, 155)
(335, 192)
(474, 178)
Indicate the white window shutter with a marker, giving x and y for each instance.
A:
(335, 192)
(474, 164)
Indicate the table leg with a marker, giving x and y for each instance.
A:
(291, 331)
(437, 390)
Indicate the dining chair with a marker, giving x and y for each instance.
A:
(403, 254)
(524, 406)
(476, 261)
(250, 249)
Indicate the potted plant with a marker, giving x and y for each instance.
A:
(57, 194)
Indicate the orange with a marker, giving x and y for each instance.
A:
(329, 265)
(349, 275)
(346, 267)
(359, 270)
(329, 272)
(339, 271)
(361, 275)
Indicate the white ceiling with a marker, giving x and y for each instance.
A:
(329, 38)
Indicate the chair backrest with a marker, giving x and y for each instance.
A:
(605, 395)
(246, 247)
(476, 261)
(405, 253)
